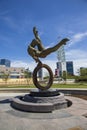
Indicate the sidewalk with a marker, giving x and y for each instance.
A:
(71, 118)
(69, 91)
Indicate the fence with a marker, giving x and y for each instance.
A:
(23, 81)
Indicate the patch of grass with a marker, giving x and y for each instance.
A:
(19, 86)
(69, 86)
(77, 85)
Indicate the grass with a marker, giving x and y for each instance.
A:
(69, 86)
(77, 85)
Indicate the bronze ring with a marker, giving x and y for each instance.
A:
(35, 81)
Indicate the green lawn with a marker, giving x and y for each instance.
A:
(83, 85)
(69, 86)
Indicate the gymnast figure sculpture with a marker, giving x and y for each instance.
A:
(40, 51)
(37, 50)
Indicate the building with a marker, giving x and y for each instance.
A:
(13, 72)
(40, 74)
(61, 54)
(61, 67)
(61, 64)
(69, 67)
(64, 66)
(5, 62)
(58, 71)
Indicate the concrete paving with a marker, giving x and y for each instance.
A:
(71, 118)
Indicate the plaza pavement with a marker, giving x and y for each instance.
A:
(71, 118)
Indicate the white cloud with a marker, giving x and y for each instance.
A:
(79, 58)
(76, 54)
(15, 24)
(52, 63)
(78, 37)
(32, 65)
(79, 63)
(51, 45)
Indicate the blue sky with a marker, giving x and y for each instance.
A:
(54, 19)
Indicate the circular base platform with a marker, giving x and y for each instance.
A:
(44, 93)
(40, 101)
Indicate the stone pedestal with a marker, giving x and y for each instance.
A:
(40, 101)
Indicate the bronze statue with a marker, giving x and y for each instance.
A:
(41, 52)
(37, 50)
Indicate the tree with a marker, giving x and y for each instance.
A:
(83, 71)
(64, 75)
(5, 77)
(28, 76)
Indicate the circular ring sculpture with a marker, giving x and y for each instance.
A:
(35, 80)
(36, 50)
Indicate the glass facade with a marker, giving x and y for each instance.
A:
(69, 67)
(61, 54)
(59, 67)
(40, 74)
(5, 62)
(65, 66)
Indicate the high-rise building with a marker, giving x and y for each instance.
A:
(59, 69)
(40, 74)
(5, 62)
(69, 67)
(64, 66)
(61, 64)
(61, 54)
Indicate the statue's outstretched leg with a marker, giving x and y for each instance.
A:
(47, 51)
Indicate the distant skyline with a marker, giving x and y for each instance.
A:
(54, 19)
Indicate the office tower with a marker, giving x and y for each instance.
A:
(61, 64)
(61, 54)
(69, 67)
(5, 62)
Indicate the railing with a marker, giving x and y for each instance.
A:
(23, 81)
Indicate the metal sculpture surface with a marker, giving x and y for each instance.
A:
(37, 50)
